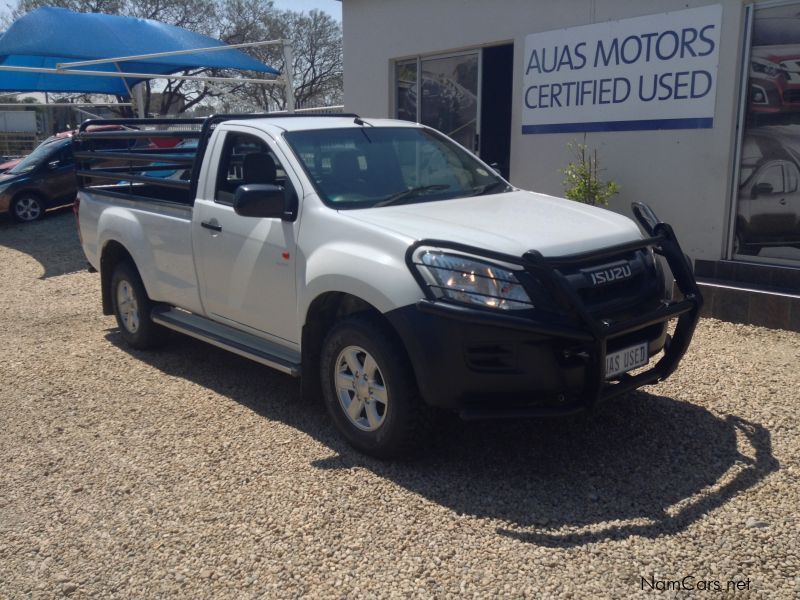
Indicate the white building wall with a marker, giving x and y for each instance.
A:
(685, 175)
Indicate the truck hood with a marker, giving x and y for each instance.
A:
(513, 223)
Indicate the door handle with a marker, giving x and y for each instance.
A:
(211, 226)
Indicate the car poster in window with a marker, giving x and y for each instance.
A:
(768, 199)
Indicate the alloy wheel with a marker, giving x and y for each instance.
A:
(127, 306)
(27, 208)
(360, 388)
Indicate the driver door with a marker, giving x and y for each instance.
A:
(59, 183)
(771, 213)
(246, 265)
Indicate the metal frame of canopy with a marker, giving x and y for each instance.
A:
(286, 79)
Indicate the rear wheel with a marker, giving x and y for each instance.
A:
(27, 207)
(370, 391)
(132, 309)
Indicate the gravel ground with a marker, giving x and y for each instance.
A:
(192, 472)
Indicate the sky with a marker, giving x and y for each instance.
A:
(332, 7)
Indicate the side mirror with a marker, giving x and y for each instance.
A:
(762, 188)
(262, 200)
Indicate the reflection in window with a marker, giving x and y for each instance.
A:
(406, 81)
(358, 168)
(773, 176)
(441, 92)
(791, 177)
(450, 96)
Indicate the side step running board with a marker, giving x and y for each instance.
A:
(227, 338)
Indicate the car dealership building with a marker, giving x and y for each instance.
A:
(693, 107)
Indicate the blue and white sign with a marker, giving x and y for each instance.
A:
(653, 72)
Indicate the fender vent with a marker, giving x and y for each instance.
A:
(491, 358)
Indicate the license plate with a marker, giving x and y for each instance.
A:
(624, 360)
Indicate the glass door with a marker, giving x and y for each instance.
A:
(441, 92)
(766, 215)
(450, 97)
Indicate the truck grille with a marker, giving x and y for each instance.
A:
(613, 285)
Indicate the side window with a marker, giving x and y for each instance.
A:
(773, 175)
(790, 170)
(66, 157)
(246, 159)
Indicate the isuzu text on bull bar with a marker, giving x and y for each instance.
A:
(385, 263)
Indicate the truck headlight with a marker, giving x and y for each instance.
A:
(471, 281)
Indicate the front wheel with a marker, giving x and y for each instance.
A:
(370, 391)
(27, 207)
(132, 309)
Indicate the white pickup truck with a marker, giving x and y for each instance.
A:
(390, 267)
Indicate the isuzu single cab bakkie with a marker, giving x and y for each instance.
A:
(387, 265)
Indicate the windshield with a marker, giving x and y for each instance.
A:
(35, 158)
(379, 166)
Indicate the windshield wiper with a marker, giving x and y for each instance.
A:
(491, 188)
(394, 198)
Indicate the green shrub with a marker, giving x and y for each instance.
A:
(582, 177)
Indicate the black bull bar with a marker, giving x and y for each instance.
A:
(593, 332)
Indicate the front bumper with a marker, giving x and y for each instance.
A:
(487, 364)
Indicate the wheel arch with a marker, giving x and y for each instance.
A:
(113, 253)
(324, 311)
(30, 191)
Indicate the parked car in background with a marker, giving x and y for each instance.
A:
(43, 179)
(46, 177)
(9, 164)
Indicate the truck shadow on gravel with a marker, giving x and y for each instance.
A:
(52, 242)
(642, 465)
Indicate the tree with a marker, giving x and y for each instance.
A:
(316, 40)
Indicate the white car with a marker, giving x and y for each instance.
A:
(385, 263)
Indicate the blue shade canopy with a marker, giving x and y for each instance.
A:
(48, 36)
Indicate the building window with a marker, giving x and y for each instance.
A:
(406, 90)
(766, 226)
(441, 92)
(466, 95)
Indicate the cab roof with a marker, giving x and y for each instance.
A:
(317, 122)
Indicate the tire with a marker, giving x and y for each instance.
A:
(389, 418)
(132, 309)
(27, 207)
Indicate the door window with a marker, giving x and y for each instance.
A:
(791, 177)
(246, 159)
(773, 176)
(66, 157)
